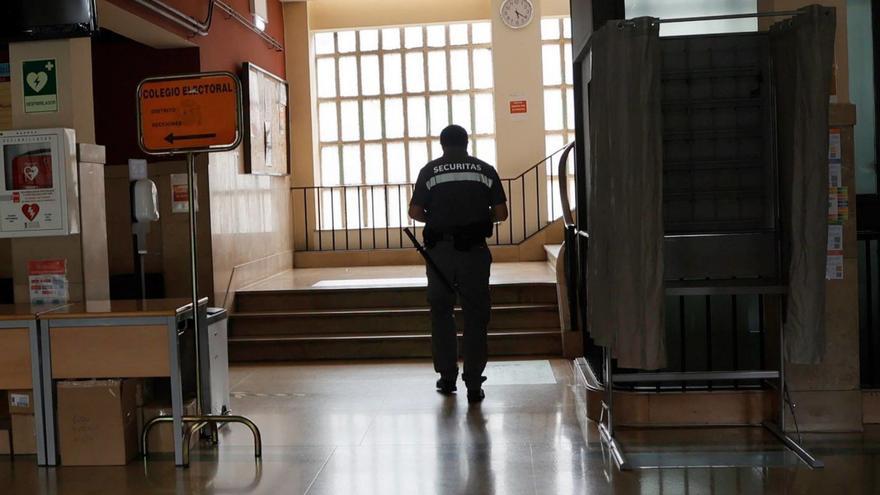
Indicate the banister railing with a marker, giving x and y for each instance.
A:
(373, 216)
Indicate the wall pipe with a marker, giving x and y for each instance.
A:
(198, 27)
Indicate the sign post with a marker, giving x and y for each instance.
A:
(183, 115)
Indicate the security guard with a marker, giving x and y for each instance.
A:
(459, 197)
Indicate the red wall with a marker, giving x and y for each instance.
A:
(228, 43)
(114, 90)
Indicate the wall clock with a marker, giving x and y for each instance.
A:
(517, 14)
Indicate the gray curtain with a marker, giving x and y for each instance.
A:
(625, 214)
(802, 56)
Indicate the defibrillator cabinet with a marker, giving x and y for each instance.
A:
(38, 183)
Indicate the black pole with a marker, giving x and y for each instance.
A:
(429, 261)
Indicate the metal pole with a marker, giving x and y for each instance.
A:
(194, 270)
(785, 13)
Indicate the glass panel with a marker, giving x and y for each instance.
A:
(394, 200)
(374, 164)
(324, 43)
(437, 71)
(553, 120)
(486, 150)
(370, 75)
(331, 209)
(376, 208)
(483, 60)
(549, 29)
(346, 40)
(329, 166)
(568, 65)
(418, 157)
(326, 68)
(458, 34)
(415, 72)
(348, 76)
(412, 37)
(393, 74)
(369, 40)
(461, 111)
(436, 35)
(566, 28)
(439, 107)
(372, 120)
(351, 164)
(552, 143)
(327, 121)
(569, 106)
(353, 208)
(481, 33)
(396, 163)
(862, 92)
(390, 39)
(665, 8)
(551, 65)
(461, 73)
(393, 118)
(351, 121)
(484, 109)
(415, 111)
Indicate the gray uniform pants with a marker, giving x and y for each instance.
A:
(470, 270)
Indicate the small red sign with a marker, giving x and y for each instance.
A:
(47, 267)
(30, 211)
(519, 106)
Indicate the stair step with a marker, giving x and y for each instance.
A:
(375, 321)
(545, 342)
(367, 298)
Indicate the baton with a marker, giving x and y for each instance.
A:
(428, 260)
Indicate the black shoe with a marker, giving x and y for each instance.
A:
(475, 395)
(475, 390)
(446, 386)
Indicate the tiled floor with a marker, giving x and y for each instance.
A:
(379, 428)
(394, 276)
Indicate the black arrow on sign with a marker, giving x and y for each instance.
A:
(171, 138)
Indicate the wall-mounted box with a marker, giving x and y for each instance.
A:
(38, 183)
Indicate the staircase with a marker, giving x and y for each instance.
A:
(381, 322)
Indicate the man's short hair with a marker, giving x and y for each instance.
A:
(454, 136)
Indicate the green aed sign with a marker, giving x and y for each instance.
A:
(40, 86)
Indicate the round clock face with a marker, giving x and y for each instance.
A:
(517, 13)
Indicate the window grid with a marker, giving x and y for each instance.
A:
(559, 125)
(405, 95)
(482, 142)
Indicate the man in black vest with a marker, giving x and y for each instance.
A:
(459, 197)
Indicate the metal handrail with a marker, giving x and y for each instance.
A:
(563, 186)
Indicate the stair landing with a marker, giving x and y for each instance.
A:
(390, 277)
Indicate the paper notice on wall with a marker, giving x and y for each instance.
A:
(832, 205)
(47, 281)
(518, 106)
(834, 149)
(835, 239)
(834, 267)
(180, 193)
(842, 204)
(835, 174)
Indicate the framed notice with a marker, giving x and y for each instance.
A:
(266, 140)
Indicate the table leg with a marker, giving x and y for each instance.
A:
(49, 419)
(38, 391)
(176, 392)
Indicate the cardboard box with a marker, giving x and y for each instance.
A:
(24, 434)
(21, 401)
(97, 422)
(5, 442)
(160, 439)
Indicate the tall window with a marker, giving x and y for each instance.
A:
(558, 101)
(383, 96)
